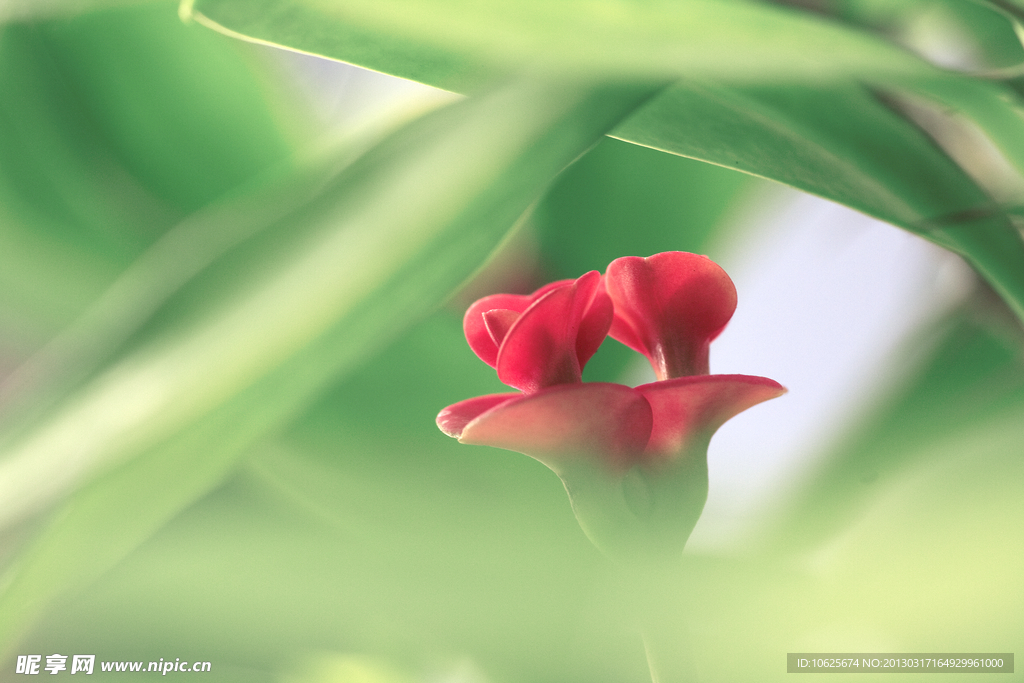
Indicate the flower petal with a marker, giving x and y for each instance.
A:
(498, 322)
(475, 327)
(594, 326)
(606, 422)
(688, 409)
(540, 350)
(669, 307)
(473, 324)
(453, 419)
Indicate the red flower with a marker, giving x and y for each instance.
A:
(634, 461)
(544, 338)
(669, 307)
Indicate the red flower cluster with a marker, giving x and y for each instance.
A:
(634, 460)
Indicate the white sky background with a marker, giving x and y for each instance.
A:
(829, 301)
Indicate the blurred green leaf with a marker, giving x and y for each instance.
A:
(365, 530)
(83, 346)
(975, 36)
(457, 45)
(837, 142)
(627, 199)
(841, 143)
(834, 141)
(997, 110)
(362, 528)
(380, 247)
(113, 127)
(1012, 9)
(188, 139)
(65, 232)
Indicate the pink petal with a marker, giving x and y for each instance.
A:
(453, 419)
(540, 350)
(473, 324)
(498, 322)
(594, 326)
(688, 409)
(548, 287)
(475, 327)
(669, 307)
(607, 422)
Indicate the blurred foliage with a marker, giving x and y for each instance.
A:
(462, 46)
(364, 531)
(973, 377)
(223, 340)
(781, 94)
(212, 386)
(115, 127)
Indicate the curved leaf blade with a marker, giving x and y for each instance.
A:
(381, 247)
(843, 144)
(838, 143)
(459, 44)
(86, 116)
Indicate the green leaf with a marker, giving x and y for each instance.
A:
(379, 248)
(834, 141)
(843, 144)
(997, 111)
(977, 36)
(83, 346)
(363, 527)
(182, 110)
(113, 128)
(1013, 10)
(627, 199)
(837, 142)
(458, 44)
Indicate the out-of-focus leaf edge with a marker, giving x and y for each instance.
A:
(551, 125)
(458, 46)
(841, 143)
(962, 218)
